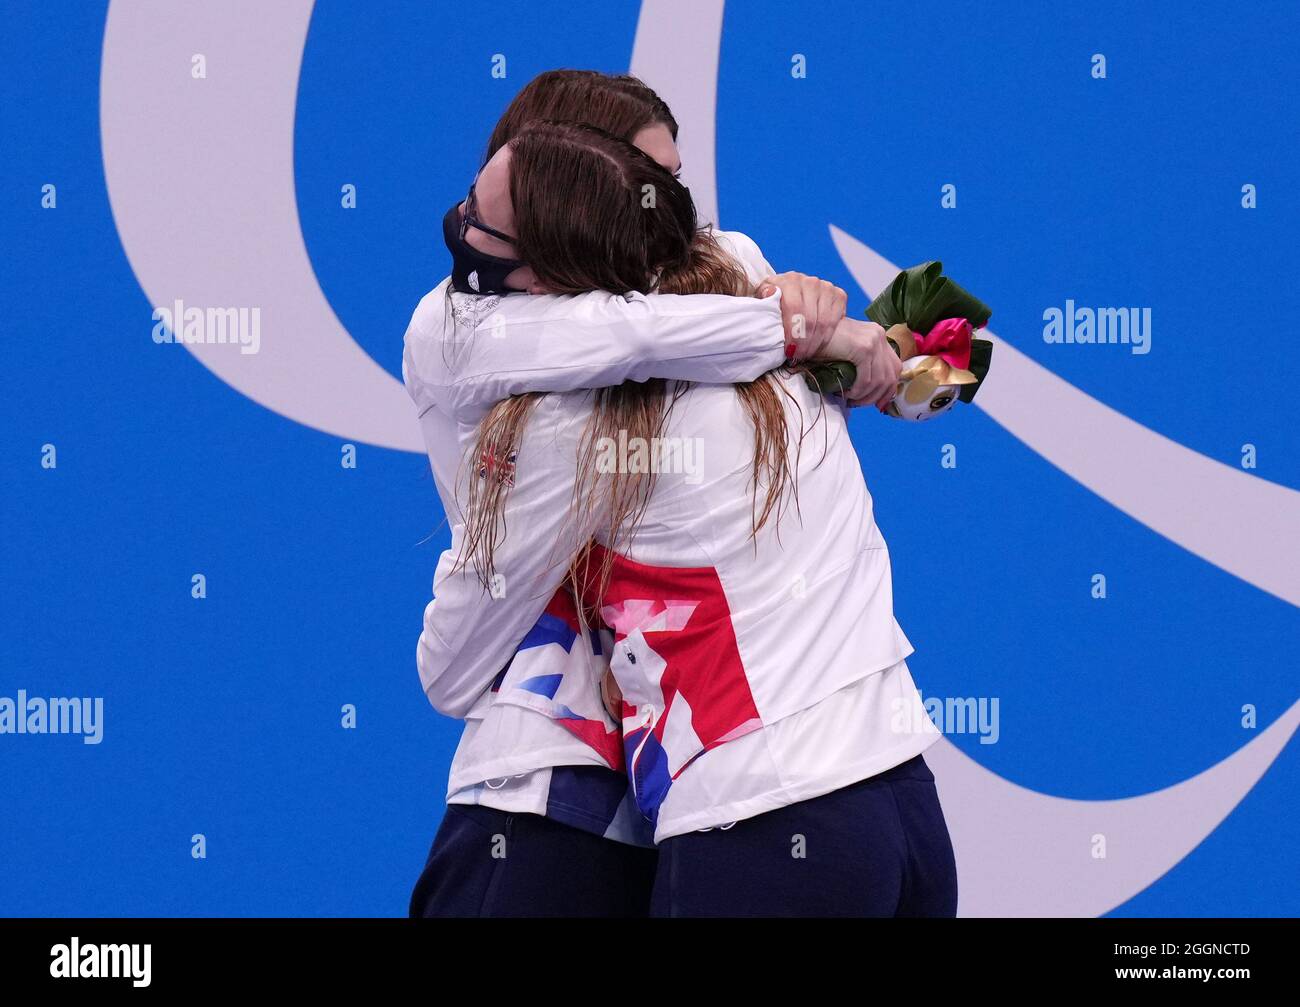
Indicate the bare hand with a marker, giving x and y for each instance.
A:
(810, 310)
(863, 344)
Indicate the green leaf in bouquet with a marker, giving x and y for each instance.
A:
(921, 296)
(981, 355)
(832, 377)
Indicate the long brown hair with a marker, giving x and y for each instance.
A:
(592, 212)
(582, 223)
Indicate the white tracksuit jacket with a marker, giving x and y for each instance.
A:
(755, 673)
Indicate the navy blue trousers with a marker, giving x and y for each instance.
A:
(492, 863)
(879, 847)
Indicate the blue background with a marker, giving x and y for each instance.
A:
(222, 715)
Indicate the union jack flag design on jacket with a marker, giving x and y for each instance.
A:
(563, 689)
(678, 666)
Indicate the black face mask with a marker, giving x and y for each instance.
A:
(472, 271)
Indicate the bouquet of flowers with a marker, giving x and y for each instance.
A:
(929, 322)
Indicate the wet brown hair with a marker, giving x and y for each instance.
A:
(592, 212)
(583, 223)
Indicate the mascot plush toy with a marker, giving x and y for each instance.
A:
(929, 322)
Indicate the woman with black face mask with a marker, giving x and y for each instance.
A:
(546, 782)
(766, 704)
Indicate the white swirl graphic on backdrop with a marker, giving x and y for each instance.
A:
(201, 184)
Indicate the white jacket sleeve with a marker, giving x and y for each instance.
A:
(471, 631)
(465, 353)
